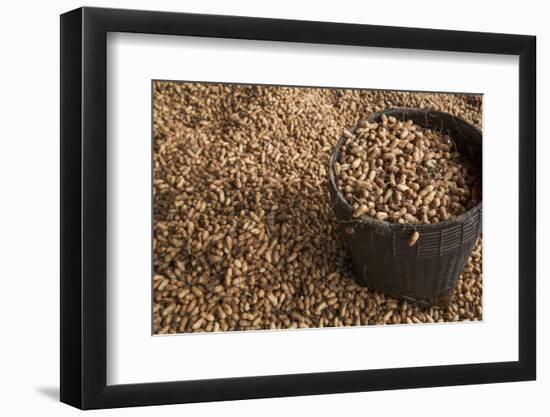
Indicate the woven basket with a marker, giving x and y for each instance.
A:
(382, 259)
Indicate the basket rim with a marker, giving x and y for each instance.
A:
(366, 219)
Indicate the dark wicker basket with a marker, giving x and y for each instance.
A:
(382, 259)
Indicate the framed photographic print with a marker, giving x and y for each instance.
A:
(257, 208)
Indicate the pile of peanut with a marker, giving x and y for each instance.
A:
(244, 233)
(396, 171)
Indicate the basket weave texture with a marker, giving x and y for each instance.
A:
(382, 259)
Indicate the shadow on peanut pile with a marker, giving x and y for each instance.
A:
(244, 235)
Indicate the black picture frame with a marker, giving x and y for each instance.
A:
(84, 194)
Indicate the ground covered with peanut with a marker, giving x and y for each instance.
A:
(244, 234)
